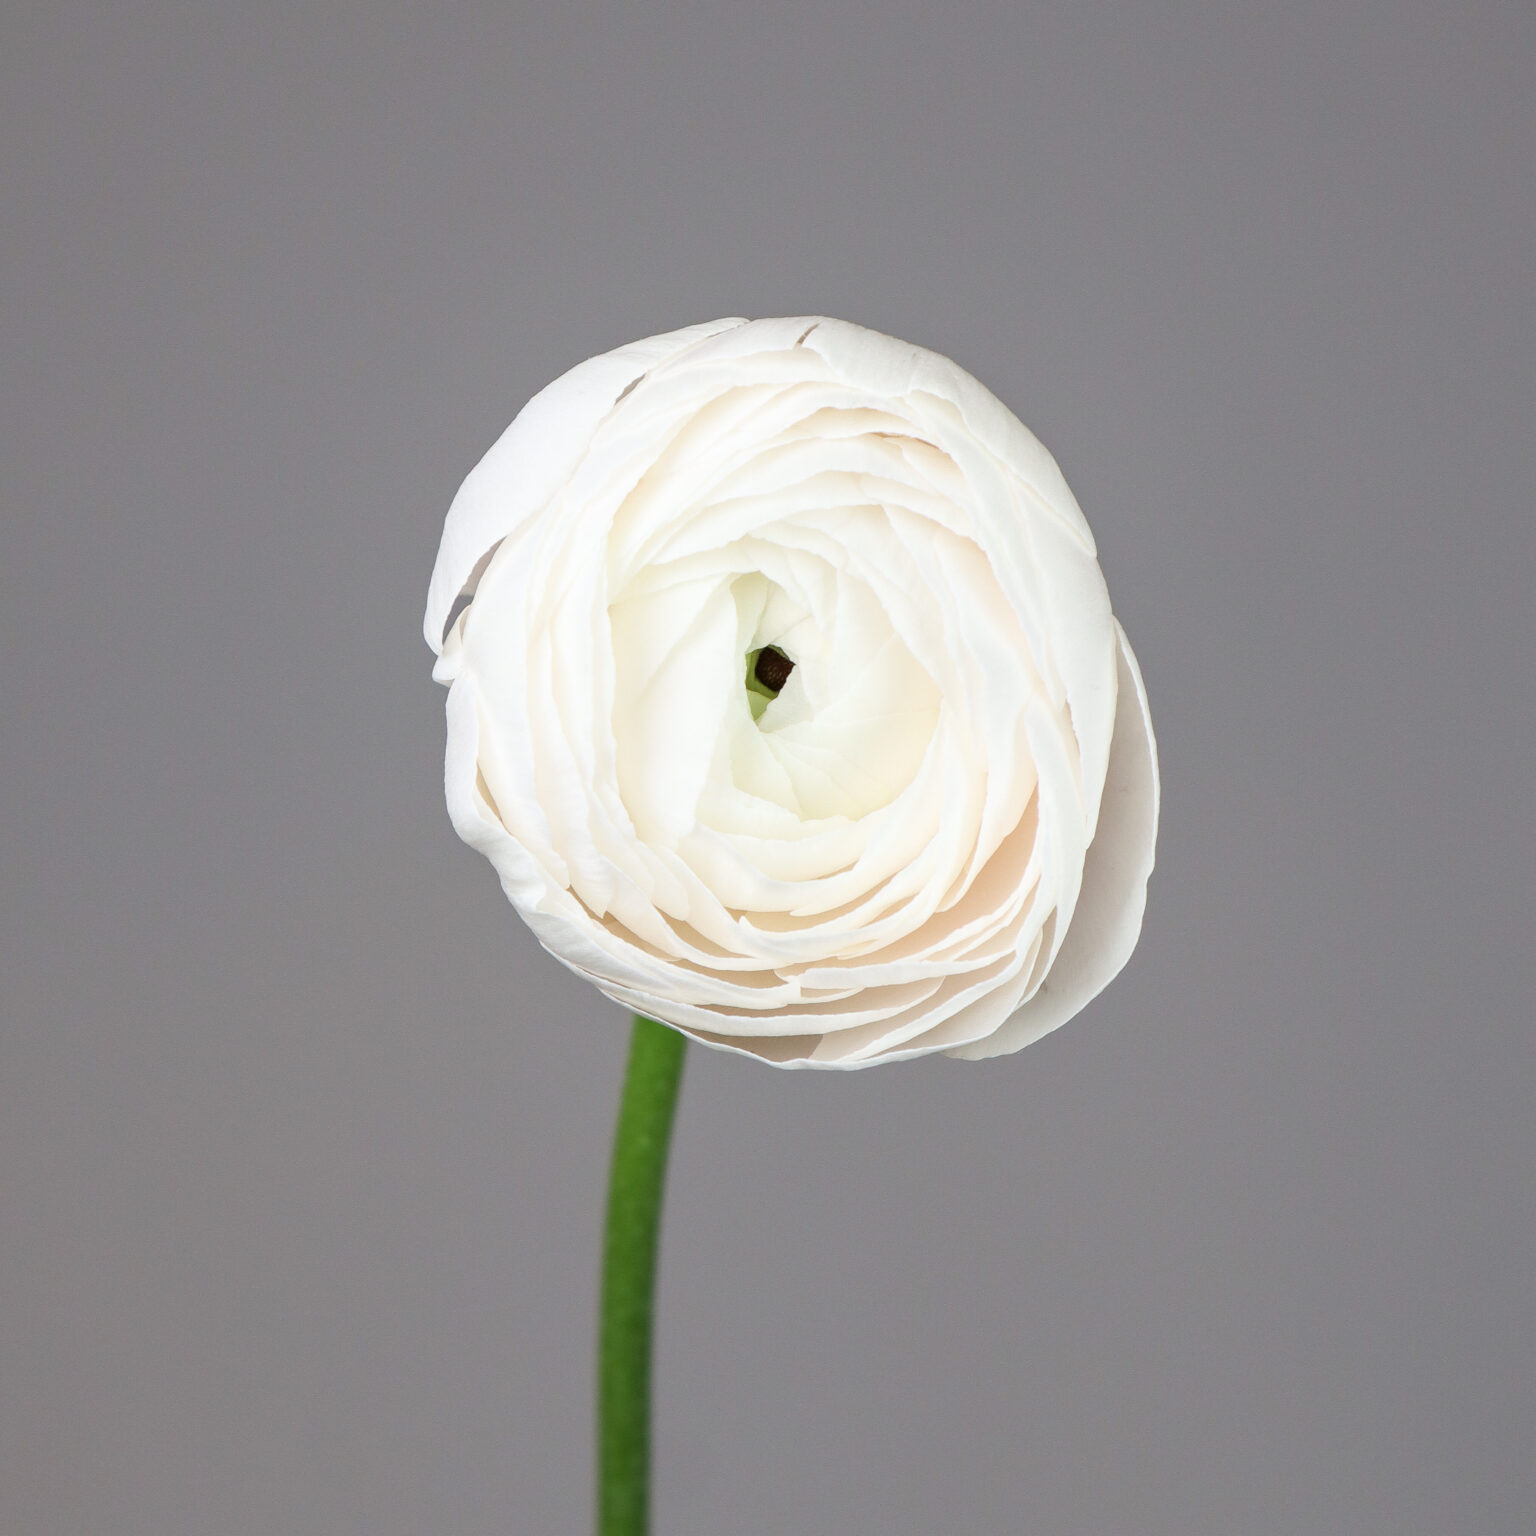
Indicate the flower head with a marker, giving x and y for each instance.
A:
(787, 701)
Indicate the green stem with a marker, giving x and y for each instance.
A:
(636, 1183)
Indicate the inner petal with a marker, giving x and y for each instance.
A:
(849, 727)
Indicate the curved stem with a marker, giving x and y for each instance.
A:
(636, 1183)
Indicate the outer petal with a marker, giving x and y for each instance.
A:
(1055, 543)
(900, 367)
(535, 456)
(1107, 920)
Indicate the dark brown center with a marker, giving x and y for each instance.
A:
(773, 668)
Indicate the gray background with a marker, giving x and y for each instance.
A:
(302, 1141)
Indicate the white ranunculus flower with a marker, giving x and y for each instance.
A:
(787, 701)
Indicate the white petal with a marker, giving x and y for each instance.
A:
(1107, 919)
(535, 456)
(884, 364)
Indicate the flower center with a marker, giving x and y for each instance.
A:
(772, 668)
(767, 671)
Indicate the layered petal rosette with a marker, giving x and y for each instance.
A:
(786, 699)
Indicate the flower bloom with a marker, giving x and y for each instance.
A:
(786, 699)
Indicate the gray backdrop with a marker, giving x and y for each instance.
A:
(302, 1139)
